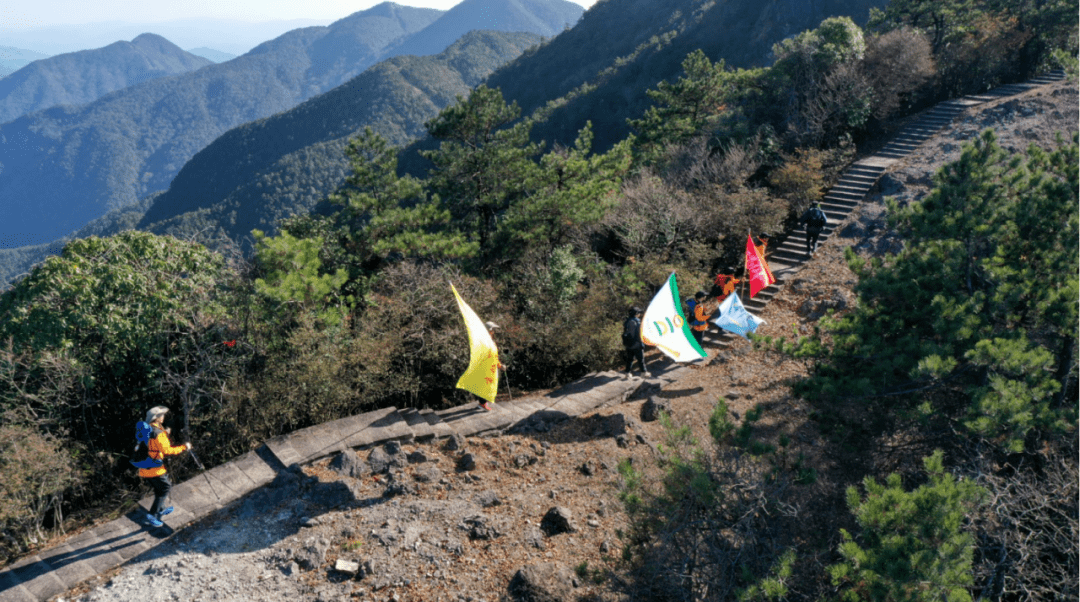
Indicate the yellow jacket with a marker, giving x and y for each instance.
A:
(160, 447)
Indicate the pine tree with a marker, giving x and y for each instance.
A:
(983, 295)
(913, 544)
(483, 162)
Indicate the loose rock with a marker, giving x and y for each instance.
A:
(652, 408)
(545, 582)
(467, 462)
(349, 464)
(558, 520)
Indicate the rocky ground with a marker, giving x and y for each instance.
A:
(492, 518)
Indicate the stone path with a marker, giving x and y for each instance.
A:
(107, 546)
(52, 572)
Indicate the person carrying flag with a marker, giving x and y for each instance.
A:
(724, 285)
(482, 376)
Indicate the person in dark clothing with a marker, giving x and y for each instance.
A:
(815, 221)
(631, 339)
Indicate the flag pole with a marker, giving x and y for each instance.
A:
(746, 269)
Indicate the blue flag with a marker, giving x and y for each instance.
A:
(734, 317)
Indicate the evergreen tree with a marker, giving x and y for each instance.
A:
(482, 163)
(683, 109)
(567, 190)
(913, 545)
(389, 214)
(91, 336)
(984, 295)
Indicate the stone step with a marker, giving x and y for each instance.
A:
(833, 206)
(470, 419)
(844, 202)
(419, 425)
(900, 146)
(440, 429)
(364, 429)
(865, 171)
(391, 427)
(858, 177)
(840, 194)
(853, 187)
(865, 187)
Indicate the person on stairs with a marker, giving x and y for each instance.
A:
(631, 339)
(698, 316)
(158, 478)
(815, 221)
(724, 284)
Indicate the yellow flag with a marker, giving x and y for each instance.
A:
(482, 376)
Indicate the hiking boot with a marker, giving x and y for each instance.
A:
(153, 520)
(164, 512)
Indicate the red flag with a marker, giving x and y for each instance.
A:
(756, 270)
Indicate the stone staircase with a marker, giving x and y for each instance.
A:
(102, 548)
(789, 254)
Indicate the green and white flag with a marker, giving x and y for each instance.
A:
(665, 327)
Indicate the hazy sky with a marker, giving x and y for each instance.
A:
(28, 14)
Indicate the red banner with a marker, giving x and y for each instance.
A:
(756, 269)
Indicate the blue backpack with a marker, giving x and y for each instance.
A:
(140, 458)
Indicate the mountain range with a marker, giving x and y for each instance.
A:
(227, 35)
(618, 50)
(80, 77)
(12, 59)
(214, 55)
(598, 70)
(260, 172)
(64, 166)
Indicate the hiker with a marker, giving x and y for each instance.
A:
(724, 285)
(631, 339)
(159, 447)
(698, 317)
(815, 221)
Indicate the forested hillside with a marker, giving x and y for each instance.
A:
(81, 77)
(68, 165)
(962, 338)
(296, 158)
(137, 139)
(599, 71)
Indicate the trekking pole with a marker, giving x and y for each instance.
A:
(196, 459)
(191, 452)
(507, 376)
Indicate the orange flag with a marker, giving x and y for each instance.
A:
(756, 268)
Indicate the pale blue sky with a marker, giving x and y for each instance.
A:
(28, 14)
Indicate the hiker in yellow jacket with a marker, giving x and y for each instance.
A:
(157, 477)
